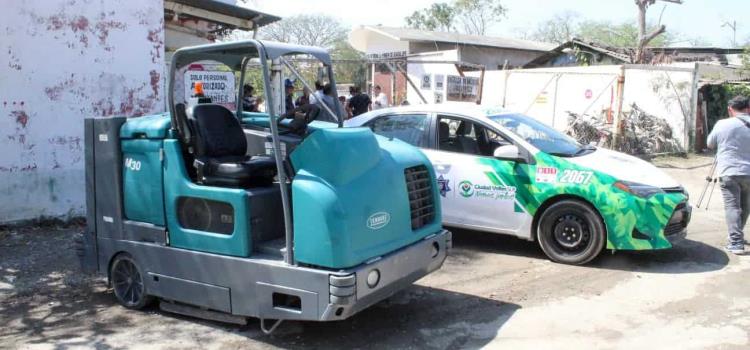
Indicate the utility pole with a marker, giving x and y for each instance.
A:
(733, 27)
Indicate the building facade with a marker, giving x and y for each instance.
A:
(72, 59)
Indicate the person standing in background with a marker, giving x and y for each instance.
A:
(347, 112)
(359, 103)
(304, 99)
(316, 96)
(249, 102)
(379, 99)
(289, 89)
(731, 139)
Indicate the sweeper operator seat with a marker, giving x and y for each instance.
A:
(220, 147)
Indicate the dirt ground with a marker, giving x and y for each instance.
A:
(494, 292)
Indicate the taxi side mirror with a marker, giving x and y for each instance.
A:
(508, 152)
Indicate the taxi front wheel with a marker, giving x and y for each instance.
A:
(571, 232)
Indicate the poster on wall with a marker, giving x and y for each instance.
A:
(439, 79)
(438, 97)
(462, 89)
(218, 85)
(426, 82)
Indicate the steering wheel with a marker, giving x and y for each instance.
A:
(301, 117)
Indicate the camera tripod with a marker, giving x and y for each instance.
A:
(711, 181)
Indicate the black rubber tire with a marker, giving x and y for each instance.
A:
(571, 232)
(128, 283)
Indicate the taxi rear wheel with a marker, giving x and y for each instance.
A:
(571, 232)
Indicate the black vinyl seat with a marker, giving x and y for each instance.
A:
(220, 147)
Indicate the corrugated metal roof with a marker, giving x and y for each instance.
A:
(407, 34)
(259, 18)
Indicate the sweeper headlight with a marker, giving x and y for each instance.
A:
(373, 278)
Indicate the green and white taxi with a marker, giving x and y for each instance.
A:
(507, 173)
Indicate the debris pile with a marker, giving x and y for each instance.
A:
(640, 133)
(646, 134)
(588, 129)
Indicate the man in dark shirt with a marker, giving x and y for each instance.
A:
(359, 103)
(289, 89)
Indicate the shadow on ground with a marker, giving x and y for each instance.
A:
(687, 256)
(418, 317)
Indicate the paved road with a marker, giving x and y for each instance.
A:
(493, 292)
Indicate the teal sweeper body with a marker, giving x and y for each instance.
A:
(226, 214)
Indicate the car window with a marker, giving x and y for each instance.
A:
(467, 137)
(462, 136)
(408, 128)
(543, 137)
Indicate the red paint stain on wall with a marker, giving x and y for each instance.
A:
(80, 23)
(155, 37)
(13, 62)
(21, 118)
(155, 81)
(55, 92)
(103, 27)
(82, 27)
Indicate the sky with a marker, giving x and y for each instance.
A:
(694, 19)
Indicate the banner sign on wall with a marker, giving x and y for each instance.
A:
(426, 82)
(218, 85)
(462, 89)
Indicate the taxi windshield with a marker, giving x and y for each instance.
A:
(541, 136)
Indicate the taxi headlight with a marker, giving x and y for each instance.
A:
(640, 190)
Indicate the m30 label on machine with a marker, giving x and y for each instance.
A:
(132, 164)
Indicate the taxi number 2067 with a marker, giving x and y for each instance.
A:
(579, 177)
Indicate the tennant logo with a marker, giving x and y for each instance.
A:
(378, 220)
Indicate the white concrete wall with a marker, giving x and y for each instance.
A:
(67, 60)
(664, 93)
(547, 94)
(435, 70)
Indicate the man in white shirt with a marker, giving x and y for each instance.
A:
(379, 100)
(318, 94)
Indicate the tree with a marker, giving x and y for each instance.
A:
(311, 30)
(477, 16)
(351, 67)
(559, 29)
(623, 34)
(746, 60)
(644, 36)
(439, 16)
(468, 16)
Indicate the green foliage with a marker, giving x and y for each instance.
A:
(311, 30)
(718, 97)
(438, 16)
(477, 16)
(623, 34)
(468, 16)
(351, 67)
(559, 29)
